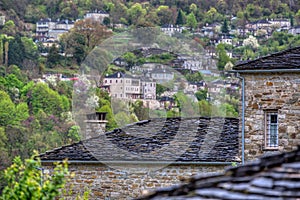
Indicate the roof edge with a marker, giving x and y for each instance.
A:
(263, 70)
(139, 162)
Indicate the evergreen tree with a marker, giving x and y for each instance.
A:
(225, 28)
(180, 18)
(16, 52)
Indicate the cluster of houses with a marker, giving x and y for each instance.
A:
(48, 30)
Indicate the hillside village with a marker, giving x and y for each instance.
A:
(132, 163)
(139, 95)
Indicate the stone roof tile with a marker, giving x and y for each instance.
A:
(205, 143)
(288, 59)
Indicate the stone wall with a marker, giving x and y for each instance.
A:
(106, 182)
(265, 91)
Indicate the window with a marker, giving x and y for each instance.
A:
(271, 129)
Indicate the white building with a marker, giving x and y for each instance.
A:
(170, 29)
(46, 28)
(121, 85)
(97, 15)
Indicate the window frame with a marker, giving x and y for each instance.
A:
(268, 129)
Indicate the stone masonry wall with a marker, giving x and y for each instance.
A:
(104, 182)
(271, 91)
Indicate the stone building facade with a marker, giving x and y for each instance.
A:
(272, 103)
(104, 182)
(125, 86)
(123, 163)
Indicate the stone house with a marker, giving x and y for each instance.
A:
(294, 30)
(42, 28)
(271, 103)
(123, 163)
(97, 15)
(284, 24)
(49, 29)
(161, 74)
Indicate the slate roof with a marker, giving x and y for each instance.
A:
(119, 75)
(288, 59)
(209, 140)
(272, 177)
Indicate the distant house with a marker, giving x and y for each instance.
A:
(121, 85)
(171, 29)
(97, 15)
(284, 24)
(161, 74)
(48, 29)
(295, 30)
(148, 88)
(225, 40)
(42, 28)
(272, 102)
(210, 30)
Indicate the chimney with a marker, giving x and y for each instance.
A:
(95, 124)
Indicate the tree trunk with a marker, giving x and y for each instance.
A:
(6, 45)
(1, 52)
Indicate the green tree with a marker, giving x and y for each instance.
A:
(160, 89)
(16, 52)
(212, 15)
(27, 180)
(165, 15)
(9, 28)
(130, 59)
(7, 109)
(223, 58)
(4, 157)
(22, 112)
(191, 21)
(46, 99)
(135, 13)
(111, 124)
(205, 108)
(194, 77)
(180, 20)
(225, 27)
(227, 110)
(201, 95)
(53, 57)
(193, 8)
(140, 111)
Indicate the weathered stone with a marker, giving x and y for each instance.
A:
(271, 91)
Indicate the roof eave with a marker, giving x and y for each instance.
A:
(263, 70)
(139, 162)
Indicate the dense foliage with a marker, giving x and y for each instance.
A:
(27, 180)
